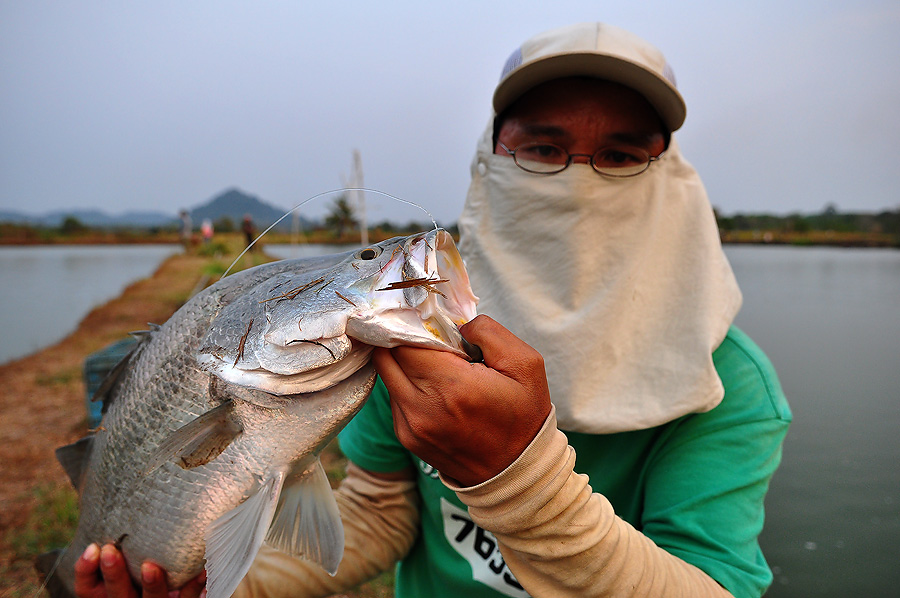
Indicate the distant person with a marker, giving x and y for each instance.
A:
(187, 228)
(249, 230)
(592, 244)
(206, 230)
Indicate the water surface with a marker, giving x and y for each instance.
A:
(47, 290)
(830, 321)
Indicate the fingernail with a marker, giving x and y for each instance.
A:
(149, 574)
(108, 555)
(90, 553)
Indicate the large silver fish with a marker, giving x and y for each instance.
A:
(214, 424)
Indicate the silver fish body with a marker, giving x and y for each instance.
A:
(211, 438)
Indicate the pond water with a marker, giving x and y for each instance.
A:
(47, 290)
(828, 319)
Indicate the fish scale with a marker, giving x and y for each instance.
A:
(214, 421)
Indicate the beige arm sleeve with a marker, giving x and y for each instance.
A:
(381, 521)
(559, 538)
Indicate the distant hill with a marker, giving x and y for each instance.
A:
(235, 204)
(231, 203)
(93, 218)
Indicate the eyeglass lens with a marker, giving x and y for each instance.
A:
(615, 161)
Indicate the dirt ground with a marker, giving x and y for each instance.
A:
(42, 402)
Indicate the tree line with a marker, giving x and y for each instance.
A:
(830, 226)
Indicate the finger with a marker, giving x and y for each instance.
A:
(392, 372)
(153, 581)
(115, 573)
(398, 385)
(503, 350)
(87, 573)
(418, 364)
(194, 587)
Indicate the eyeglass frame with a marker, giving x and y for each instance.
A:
(512, 152)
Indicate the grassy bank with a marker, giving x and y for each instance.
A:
(42, 401)
(811, 238)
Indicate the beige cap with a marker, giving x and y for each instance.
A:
(593, 50)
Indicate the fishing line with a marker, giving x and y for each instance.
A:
(316, 196)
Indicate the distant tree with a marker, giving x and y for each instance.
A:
(224, 225)
(386, 226)
(340, 216)
(72, 225)
(798, 224)
(830, 209)
(414, 227)
(889, 221)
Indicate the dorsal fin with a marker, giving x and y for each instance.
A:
(73, 458)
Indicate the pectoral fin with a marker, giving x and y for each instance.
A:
(308, 522)
(233, 539)
(200, 441)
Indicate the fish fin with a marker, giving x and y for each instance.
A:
(308, 522)
(233, 539)
(199, 441)
(110, 381)
(73, 458)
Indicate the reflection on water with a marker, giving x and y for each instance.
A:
(47, 290)
(829, 320)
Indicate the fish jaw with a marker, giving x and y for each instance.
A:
(407, 309)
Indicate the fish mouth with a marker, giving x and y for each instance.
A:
(420, 298)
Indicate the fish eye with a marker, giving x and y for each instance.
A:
(369, 253)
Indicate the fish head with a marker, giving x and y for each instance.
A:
(304, 328)
(419, 295)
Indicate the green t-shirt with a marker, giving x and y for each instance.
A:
(695, 486)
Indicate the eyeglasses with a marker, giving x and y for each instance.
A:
(614, 161)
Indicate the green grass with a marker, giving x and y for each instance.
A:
(59, 378)
(50, 525)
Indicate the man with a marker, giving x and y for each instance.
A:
(594, 249)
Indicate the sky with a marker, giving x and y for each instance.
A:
(118, 106)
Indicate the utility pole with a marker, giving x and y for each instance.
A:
(356, 182)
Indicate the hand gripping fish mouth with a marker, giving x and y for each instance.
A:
(303, 332)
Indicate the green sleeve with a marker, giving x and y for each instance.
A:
(369, 440)
(706, 483)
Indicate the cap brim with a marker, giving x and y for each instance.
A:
(660, 93)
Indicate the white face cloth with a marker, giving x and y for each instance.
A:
(621, 284)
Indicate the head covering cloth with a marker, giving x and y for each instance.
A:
(620, 284)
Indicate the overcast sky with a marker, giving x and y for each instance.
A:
(160, 105)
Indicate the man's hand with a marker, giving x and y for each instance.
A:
(468, 420)
(102, 573)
